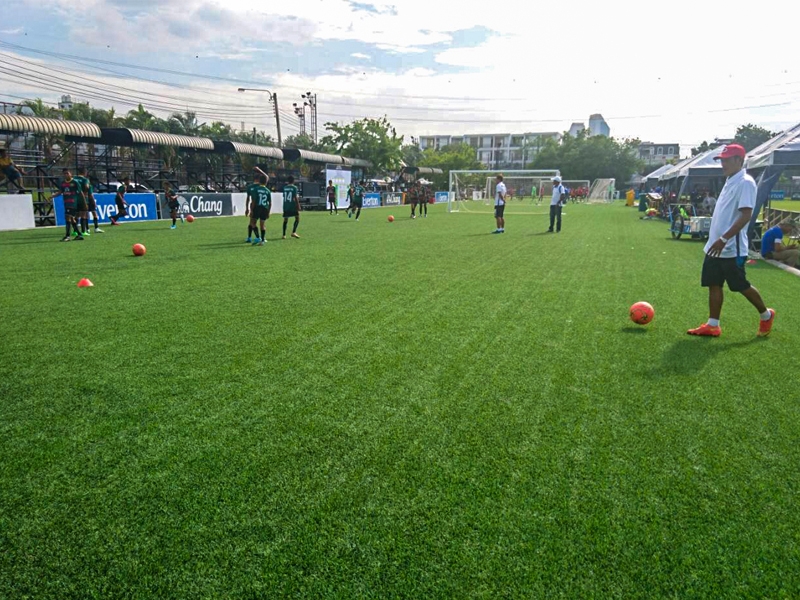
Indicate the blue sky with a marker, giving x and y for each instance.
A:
(433, 67)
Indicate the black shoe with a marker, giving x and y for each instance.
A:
(79, 238)
(549, 231)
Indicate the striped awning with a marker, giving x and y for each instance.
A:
(252, 149)
(139, 137)
(356, 162)
(423, 170)
(291, 154)
(26, 124)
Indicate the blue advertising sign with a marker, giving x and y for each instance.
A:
(141, 207)
(441, 197)
(372, 200)
(777, 195)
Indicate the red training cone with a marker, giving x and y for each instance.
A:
(85, 283)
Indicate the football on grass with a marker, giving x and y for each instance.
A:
(139, 249)
(391, 219)
(642, 313)
(189, 218)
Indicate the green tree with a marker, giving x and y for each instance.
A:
(184, 124)
(40, 109)
(304, 141)
(140, 118)
(371, 139)
(412, 155)
(751, 136)
(456, 157)
(590, 157)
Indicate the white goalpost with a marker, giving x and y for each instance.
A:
(602, 191)
(473, 191)
(578, 189)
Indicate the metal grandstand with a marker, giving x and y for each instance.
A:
(42, 147)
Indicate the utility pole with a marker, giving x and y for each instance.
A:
(274, 98)
(277, 118)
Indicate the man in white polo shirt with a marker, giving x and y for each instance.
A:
(559, 193)
(726, 250)
(500, 205)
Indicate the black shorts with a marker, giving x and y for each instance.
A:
(290, 213)
(718, 271)
(174, 206)
(91, 204)
(332, 200)
(81, 205)
(121, 212)
(260, 213)
(498, 211)
(70, 210)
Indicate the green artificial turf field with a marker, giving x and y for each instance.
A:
(418, 409)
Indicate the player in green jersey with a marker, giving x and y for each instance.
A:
(69, 189)
(83, 202)
(259, 199)
(91, 203)
(291, 206)
(358, 200)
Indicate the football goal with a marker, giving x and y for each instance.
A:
(473, 191)
(578, 189)
(602, 190)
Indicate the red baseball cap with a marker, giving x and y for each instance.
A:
(732, 150)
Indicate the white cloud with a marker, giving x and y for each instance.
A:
(651, 70)
(400, 49)
(15, 31)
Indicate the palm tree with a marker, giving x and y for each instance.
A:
(184, 124)
(140, 119)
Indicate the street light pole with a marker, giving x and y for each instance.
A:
(300, 111)
(311, 99)
(274, 98)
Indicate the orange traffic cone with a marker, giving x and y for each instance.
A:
(85, 283)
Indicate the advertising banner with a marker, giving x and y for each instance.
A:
(241, 204)
(393, 199)
(441, 197)
(372, 200)
(16, 212)
(141, 207)
(200, 205)
(341, 176)
(777, 195)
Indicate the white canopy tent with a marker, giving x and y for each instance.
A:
(652, 178)
(768, 161)
(783, 149)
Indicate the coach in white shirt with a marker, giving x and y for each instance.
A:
(500, 205)
(556, 203)
(726, 250)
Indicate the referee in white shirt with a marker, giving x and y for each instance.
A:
(500, 205)
(726, 250)
(556, 203)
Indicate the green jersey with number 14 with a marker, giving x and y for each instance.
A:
(290, 195)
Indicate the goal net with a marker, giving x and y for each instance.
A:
(602, 190)
(578, 189)
(474, 191)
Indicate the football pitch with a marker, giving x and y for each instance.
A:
(416, 409)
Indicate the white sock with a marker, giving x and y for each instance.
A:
(766, 316)
(713, 322)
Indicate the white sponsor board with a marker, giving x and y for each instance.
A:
(16, 212)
